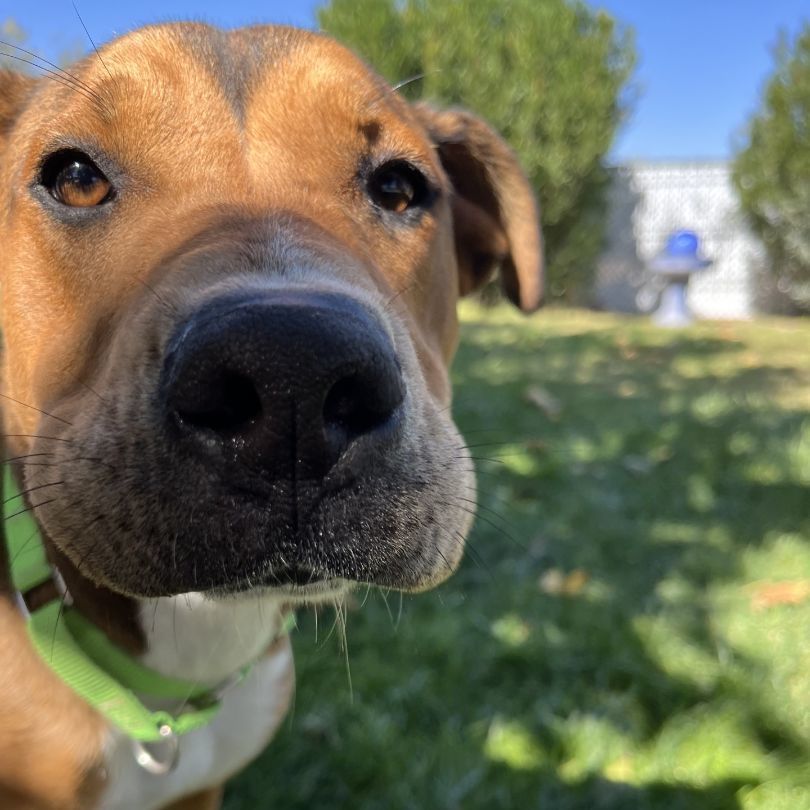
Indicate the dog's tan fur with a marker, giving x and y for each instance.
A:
(214, 128)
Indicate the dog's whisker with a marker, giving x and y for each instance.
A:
(384, 594)
(401, 85)
(456, 537)
(479, 458)
(486, 520)
(260, 605)
(332, 628)
(93, 391)
(441, 554)
(396, 295)
(366, 596)
(341, 614)
(493, 512)
(59, 615)
(481, 444)
(504, 454)
(56, 77)
(167, 304)
(60, 70)
(20, 458)
(72, 542)
(475, 555)
(92, 459)
(63, 600)
(91, 40)
(488, 474)
(32, 489)
(35, 436)
(21, 549)
(410, 80)
(39, 410)
(34, 535)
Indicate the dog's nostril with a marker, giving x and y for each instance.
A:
(227, 405)
(355, 406)
(285, 383)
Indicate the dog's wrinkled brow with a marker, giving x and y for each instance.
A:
(236, 60)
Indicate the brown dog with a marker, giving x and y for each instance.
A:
(230, 263)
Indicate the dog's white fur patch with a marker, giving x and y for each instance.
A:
(193, 637)
(196, 638)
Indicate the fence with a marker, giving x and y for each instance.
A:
(650, 200)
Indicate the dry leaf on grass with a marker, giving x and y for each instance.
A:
(535, 445)
(766, 595)
(544, 400)
(557, 583)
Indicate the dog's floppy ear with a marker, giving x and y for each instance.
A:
(496, 218)
(14, 91)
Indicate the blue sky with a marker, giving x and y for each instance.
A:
(701, 62)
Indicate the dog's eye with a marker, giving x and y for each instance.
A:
(74, 180)
(397, 186)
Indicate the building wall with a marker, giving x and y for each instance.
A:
(650, 200)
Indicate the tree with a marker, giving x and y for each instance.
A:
(17, 54)
(550, 75)
(11, 33)
(772, 170)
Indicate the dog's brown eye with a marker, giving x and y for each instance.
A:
(74, 180)
(397, 186)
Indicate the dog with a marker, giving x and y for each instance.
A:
(230, 266)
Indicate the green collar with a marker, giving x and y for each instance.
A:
(85, 659)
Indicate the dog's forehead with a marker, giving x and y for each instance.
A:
(267, 82)
(238, 64)
(260, 106)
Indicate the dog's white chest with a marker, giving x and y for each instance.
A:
(248, 715)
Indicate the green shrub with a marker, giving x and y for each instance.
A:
(550, 75)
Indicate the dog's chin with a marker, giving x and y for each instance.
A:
(295, 586)
(330, 591)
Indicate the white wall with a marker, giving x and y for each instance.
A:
(650, 200)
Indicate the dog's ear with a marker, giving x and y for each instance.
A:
(14, 91)
(495, 215)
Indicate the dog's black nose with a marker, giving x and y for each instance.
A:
(284, 383)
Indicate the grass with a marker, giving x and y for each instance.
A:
(631, 628)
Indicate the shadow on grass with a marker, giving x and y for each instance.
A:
(602, 794)
(653, 468)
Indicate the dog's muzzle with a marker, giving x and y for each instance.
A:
(297, 388)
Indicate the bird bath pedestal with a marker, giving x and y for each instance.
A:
(678, 261)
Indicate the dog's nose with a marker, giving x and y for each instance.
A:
(285, 383)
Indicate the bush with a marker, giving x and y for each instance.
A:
(549, 74)
(772, 171)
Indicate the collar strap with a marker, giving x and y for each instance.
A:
(82, 655)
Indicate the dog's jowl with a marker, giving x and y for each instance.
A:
(229, 269)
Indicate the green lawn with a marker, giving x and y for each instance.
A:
(631, 626)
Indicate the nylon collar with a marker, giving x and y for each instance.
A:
(84, 658)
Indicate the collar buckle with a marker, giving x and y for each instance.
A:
(48, 590)
(160, 757)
